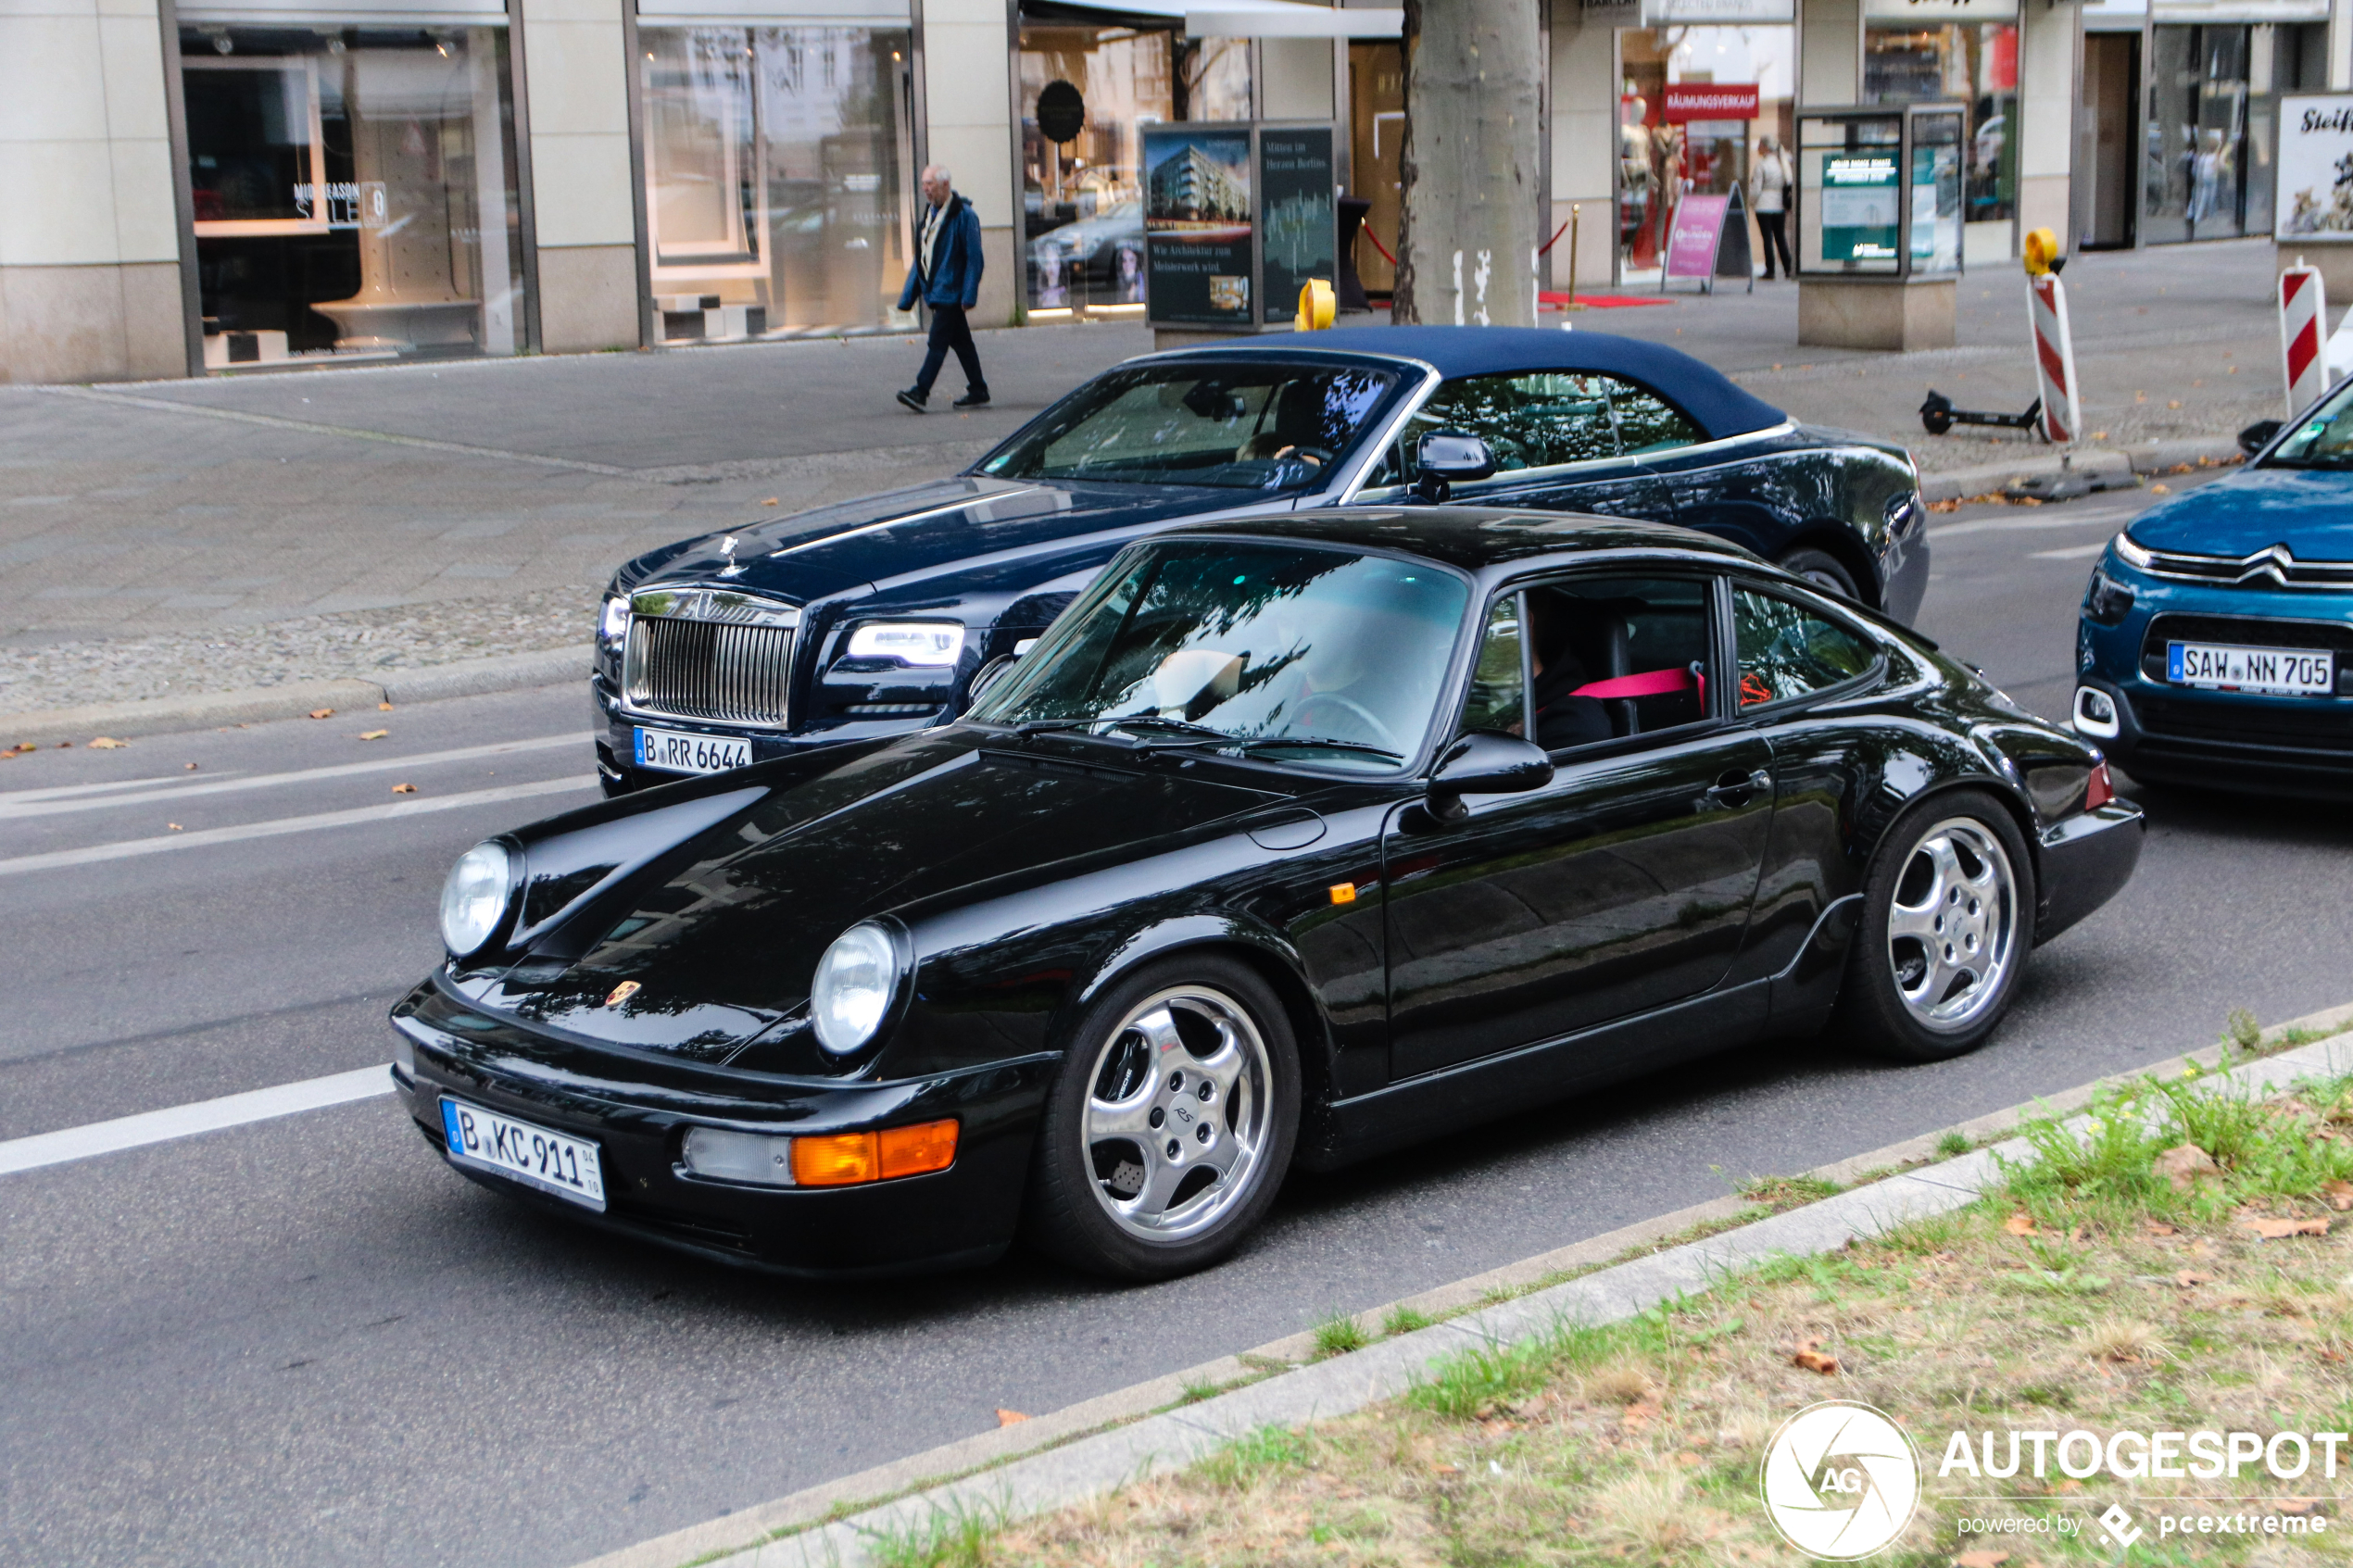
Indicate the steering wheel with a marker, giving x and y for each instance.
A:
(1314, 456)
(1364, 716)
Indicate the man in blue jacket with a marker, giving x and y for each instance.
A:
(946, 276)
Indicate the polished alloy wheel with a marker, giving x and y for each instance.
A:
(1176, 1113)
(1952, 926)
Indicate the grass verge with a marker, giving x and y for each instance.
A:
(2170, 1261)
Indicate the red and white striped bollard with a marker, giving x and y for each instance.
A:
(2303, 314)
(2054, 358)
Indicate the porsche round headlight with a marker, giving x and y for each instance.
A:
(856, 980)
(474, 898)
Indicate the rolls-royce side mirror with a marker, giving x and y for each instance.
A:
(1448, 458)
(1484, 762)
(2256, 436)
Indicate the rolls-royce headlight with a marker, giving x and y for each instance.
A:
(929, 643)
(856, 980)
(474, 898)
(613, 626)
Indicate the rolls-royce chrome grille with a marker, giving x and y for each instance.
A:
(700, 653)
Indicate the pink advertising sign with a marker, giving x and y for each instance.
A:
(1690, 247)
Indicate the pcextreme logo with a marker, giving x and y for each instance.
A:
(1839, 1481)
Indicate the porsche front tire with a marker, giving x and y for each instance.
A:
(1172, 1122)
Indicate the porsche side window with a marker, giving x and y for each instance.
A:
(1647, 422)
(1788, 651)
(1613, 656)
(1533, 421)
(1499, 688)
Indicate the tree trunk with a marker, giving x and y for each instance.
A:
(1467, 238)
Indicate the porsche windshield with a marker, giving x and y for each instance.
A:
(1276, 651)
(2324, 438)
(1239, 425)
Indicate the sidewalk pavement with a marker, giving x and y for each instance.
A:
(164, 540)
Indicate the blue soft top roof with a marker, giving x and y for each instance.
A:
(1699, 390)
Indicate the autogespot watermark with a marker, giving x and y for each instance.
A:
(1841, 1481)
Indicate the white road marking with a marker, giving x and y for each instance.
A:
(2005, 524)
(39, 803)
(61, 792)
(2073, 552)
(184, 1120)
(417, 807)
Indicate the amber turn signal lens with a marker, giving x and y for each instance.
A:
(850, 1159)
(919, 1149)
(1344, 893)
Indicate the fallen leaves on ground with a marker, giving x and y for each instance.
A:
(404, 789)
(1811, 1357)
(107, 743)
(191, 767)
(2190, 1279)
(1010, 1418)
(2339, 1194)
(322, 714)
(2019, 1223)
(1983, 1557)
(2158, 1227)
(2280, 1230)
(174, 827)
(2160, 490)
(2183, 1165)
(384, 707)
(373, 734)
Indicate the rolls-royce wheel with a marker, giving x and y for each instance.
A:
(1948, 920)
(1823, 570)
(1171, 1125)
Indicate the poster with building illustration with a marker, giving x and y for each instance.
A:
(1297, 214)
(1197, 224)
(2314, 192)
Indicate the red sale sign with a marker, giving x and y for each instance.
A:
(1687, 101)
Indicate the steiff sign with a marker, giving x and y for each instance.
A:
(2314, 189)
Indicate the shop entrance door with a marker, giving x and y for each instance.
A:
(2112, 82)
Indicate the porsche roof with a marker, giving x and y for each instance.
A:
(1704, 392)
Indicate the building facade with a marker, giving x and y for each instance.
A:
(218, 187)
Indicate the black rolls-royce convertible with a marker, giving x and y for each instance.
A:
(1290, 842)
(874, 616)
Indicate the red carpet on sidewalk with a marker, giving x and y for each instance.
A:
(1604, 301)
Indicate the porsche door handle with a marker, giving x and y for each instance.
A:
(1736, 788)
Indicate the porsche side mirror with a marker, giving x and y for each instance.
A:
(2256, 436)
(1484, 762)
(1448, 458)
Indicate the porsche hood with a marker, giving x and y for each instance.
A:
(718, 940)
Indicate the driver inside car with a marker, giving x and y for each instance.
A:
(1563, 718)
(1296, 430)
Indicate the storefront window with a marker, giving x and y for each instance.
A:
(354, 192)
(2213, 121)
(1973, 62)
(777, 168)
(1085, 94)
(1666, 148)
(1377, 112)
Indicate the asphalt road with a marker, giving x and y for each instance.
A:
(305, 1342)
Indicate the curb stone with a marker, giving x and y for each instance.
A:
(203, 710)
(2156, 457)
(1025, 1476)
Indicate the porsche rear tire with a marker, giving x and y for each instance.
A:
(1172, 1122)
(1948, 919)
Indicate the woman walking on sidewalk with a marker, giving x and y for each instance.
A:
(1769, 185)
(946, 276)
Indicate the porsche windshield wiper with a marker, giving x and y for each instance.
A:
(1310, 743)
(1200, 734)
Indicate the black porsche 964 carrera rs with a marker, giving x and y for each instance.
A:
(1292, 841)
